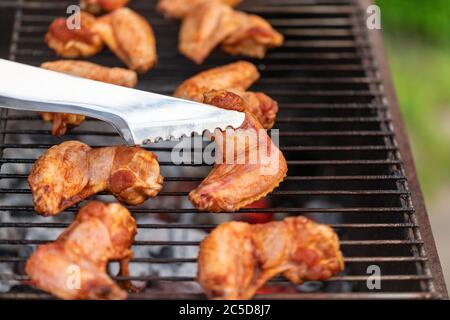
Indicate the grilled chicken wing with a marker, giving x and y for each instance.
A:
(252, 37)
(204, 28)
(74, 42)
(130, 37)
(72, 171)
(99, 6)
(236, 77)
(100, 232)
(180, 8)
(255, 168)
(84, 69)
(236, 258)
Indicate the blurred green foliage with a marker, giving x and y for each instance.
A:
(428, 18)
(422, 80)
(417, 38)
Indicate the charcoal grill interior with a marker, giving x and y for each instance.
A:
(349, 161)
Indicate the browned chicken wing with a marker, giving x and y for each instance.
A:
(252, 37)
(236, 77)
(72, 171)
(99, 6)
(130, 37)
(180, 8)
(236, 258)
(84, 69)
(74, 42)
(204, 28)
(100, 233)
(234, 184)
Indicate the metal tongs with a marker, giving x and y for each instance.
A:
(139, 116)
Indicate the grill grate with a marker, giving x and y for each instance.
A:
(336, 132)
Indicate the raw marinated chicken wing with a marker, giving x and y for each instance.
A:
(62, 121)
(84, 69)
(99, 6)
(130, 37)
(204, 28)
(233, 184)
(100, 233)
(236, 258)
(180, 8)
(72, 171)
(74, 42)
(209, 23)
(118, 76)
(236, 77)
(252, 37)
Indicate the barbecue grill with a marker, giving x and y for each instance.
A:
(350, 163)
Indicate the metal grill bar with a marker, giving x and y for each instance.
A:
(280, 280)
(337, 131)
(304, 296)
(194, 260)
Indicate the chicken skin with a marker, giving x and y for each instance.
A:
(100, 233)
(72, 171)
(88, 70)
(180, 8)
(236, 77)
(99, 6)
(236, 258)
(130, 37)
(205, 28)
(252, 37)
(253, 169)
(74, 42)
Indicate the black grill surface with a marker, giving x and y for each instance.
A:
(336, 131)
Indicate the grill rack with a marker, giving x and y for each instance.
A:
(349, 161)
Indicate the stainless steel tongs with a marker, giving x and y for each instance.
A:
(139, 116)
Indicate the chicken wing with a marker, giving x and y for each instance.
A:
(74, 42)
(254, 168)
(252, 37)
(99, 6)
(204, 28)
(72, 171)
(118, 76)
(100, 233)
(180, 8)
(84, 69)
(236, 258)
(130, 37)
(236, 77)
(62, 121)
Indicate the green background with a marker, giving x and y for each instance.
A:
(417, 39)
